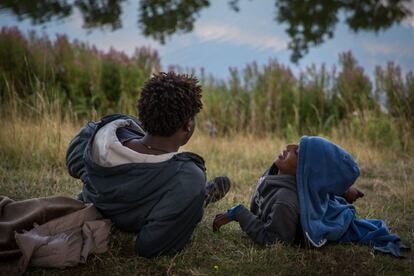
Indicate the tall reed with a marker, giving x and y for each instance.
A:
(85, 82)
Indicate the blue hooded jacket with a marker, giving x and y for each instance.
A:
(324, 172)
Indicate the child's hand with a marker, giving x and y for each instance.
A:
(353, 194)
(220, 220)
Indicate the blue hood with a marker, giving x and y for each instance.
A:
(325, 172)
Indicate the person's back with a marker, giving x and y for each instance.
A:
(138, 178)
(159, 199)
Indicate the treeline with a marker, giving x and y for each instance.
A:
(272, 98)
(267, 99)
(82, 76)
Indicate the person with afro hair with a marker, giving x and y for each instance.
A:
(167, 108)
(168, 103)
(134, 173)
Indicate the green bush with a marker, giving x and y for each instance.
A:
(266, 99)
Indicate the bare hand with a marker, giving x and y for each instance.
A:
(220, 220)
(353, 194)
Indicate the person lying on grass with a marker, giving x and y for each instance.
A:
(134, 174)
(306, 195)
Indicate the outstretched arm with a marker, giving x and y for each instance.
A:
(279, 225)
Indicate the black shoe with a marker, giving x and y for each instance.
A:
(216, 189)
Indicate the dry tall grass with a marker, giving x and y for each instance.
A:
(32, 165)
(36, 126)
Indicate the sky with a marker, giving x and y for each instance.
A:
(222, 38)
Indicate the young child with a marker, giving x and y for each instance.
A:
(274, 214)
(305, 195)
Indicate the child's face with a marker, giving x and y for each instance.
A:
(287, 161)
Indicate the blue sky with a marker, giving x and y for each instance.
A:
(222, 38)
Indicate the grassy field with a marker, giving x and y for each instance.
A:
(32, 165)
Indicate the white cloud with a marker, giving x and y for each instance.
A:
(176, 44)
(388, 49)
(234, 35)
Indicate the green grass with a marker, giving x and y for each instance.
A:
(32, 165)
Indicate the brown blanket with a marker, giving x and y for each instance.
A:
(69, 230)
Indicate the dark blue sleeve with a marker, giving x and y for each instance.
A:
(171, 223)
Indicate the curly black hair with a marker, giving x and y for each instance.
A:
(167, 102)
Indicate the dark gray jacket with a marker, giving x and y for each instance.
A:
(161, 202)
(274, 210)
